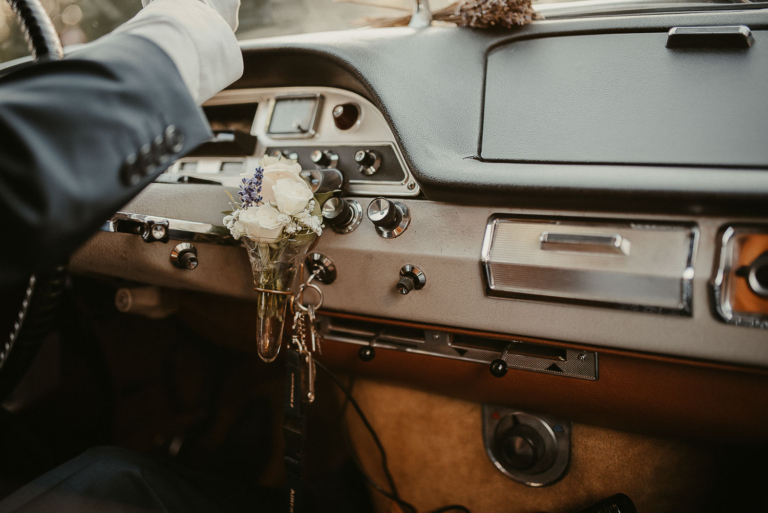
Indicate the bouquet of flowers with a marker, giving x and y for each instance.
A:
(278, 218)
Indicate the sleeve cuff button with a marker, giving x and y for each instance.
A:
(174, 139)
(129, 172)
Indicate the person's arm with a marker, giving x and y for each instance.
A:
(82, 136)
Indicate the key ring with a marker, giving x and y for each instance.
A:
(300, 296)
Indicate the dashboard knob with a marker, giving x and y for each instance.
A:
(384, 214)
(369, 161)
(290, 155)
(343, 215)
(337, 211)
(345, 115)
(521, 447)
(184, 256)
(367, 353)
(325, 158)
(411, 278)
(324, 180)
(499, 368)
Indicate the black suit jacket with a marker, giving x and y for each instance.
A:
(79, 138)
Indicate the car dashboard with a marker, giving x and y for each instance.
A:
(576, 197)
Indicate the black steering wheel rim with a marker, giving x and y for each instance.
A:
(42, 39)
(36, 315)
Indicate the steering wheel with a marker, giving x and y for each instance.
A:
(40, 296)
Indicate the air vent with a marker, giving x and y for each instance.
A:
(518, 354)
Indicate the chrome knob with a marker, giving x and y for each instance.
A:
(343, 215)
(324, 180)
(368, 160)
(391, 218)
(290, 155)
(383, 213)
(325, 158)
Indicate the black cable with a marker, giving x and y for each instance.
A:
(405, 507)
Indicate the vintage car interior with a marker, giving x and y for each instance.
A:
(544, 281)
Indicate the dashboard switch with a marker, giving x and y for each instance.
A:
(345, 116)
(184, 256)
(325, 158)
(391, 218)
(369, 161)
(324, 180)
(286, 154)
(411, 278)
(342, 215)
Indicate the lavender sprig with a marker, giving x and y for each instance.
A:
(250, 189)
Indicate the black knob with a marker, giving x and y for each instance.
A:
(367, 353)
(405, 285)
(324, 158)
(188, 260)
(384, 214)
(345, 115)
(499, 368)
(337, 211)
(411, 277)
(365, 157)
(521, 447)
(368, 160)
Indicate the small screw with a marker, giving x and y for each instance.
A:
(411, 186)
(435, 336)
(582, 357)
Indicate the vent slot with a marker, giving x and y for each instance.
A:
(515, 347)
(526, 356)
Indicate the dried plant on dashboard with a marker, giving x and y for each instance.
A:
(482, 14)
(496, 13)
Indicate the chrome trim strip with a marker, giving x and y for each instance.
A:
(178, 229)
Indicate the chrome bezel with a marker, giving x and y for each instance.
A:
(178, 229)
(721, 280)
(686, 292)
(313, 120)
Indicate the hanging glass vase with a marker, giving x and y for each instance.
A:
(274, 267)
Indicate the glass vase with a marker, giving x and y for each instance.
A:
(274, 267)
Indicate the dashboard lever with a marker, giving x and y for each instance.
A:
(613, 244)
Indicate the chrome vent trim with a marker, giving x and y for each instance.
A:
(520, 354)
(591, 262)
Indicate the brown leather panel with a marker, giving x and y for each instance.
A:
(437, 457)
(633, 394)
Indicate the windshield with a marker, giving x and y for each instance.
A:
(80, 21)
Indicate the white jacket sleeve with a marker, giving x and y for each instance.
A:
(198, 36)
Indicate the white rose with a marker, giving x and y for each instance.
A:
(261, 223)
(292, 196)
